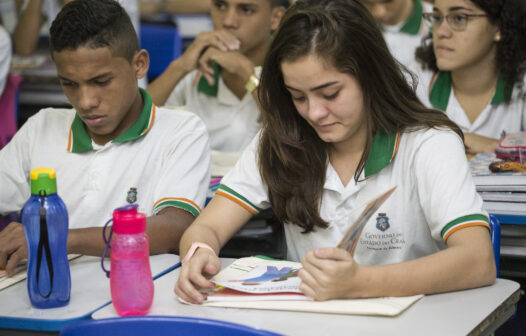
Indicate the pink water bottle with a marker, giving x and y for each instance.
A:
(131, 280)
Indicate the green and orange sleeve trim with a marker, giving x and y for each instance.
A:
(225, 191)
(463, 222)
(181, 203)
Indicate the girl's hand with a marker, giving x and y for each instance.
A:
(194, 276)
(329, 273)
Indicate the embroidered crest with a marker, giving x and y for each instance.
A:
(131, 197)
(382, 222)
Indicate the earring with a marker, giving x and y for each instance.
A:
(497, 37)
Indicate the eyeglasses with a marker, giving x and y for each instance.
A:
(457, 22)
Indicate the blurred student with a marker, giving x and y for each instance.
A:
(402, 25)
(475, 59)
(152, 7)
(113, 147)
(340, 125)
(37, 15)
(217, 75)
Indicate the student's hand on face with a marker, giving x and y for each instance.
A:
(231, 61)
(193, 276)
(13, 247)
(219, 39)
(328, 273)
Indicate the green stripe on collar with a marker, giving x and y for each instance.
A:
(82, 141)
(502, 92)
(204, 87)
(383, 150)
(141, 124)
(80, 137)
(414, 22)
(441, 90)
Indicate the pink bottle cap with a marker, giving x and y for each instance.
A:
(126, 220)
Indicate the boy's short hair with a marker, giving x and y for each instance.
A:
(94, 24)
(283, 3)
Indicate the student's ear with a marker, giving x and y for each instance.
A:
(141, 63)
(275, 17)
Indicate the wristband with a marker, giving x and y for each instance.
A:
(193, 248)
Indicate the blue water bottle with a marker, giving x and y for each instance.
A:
(45, 221)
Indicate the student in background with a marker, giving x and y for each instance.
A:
(217, 75)
(340, 125)
(402, 25)
(475, 60)
(36, 17)
(151, 7)
(113, 147)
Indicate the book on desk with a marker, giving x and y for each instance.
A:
(502, 192)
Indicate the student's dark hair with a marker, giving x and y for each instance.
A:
(510, 17)
(94, 24)
(283, 3)
(292, 158)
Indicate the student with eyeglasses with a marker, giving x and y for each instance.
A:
(474, 62)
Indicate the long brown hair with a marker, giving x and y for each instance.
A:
(292, 158)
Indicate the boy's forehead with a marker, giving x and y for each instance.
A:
(84, 61)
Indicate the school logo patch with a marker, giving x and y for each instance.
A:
(132, 195)
(382, 222)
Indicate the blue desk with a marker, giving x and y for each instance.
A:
(90, 290)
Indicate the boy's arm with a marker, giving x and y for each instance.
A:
(164, 231)
(163, 85)
(27, 29)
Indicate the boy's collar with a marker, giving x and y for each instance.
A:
(204, 87)
(440, 90)
(79, 140)
(414, 22)
(383, 151)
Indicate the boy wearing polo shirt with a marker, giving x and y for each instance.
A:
(217, 75)
(114, 146)
(402, 24)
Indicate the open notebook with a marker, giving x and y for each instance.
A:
(292, 299)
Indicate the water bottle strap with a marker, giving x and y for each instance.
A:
(108, 246)
(43, 248)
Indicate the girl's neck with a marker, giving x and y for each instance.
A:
(476, 79)
(345, 156)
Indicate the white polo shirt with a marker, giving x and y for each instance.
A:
(231, 123)
(498, 117)
(435, 196)
(164, 155)
(403, 39)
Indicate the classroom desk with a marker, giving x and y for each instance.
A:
(90, 290)
(476, 311)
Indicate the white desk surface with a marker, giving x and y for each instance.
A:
(480, 310)
(90, 290)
